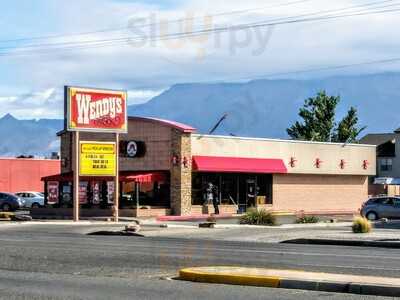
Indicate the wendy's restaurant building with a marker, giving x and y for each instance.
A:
(165, 168)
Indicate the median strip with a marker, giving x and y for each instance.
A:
(291, 279)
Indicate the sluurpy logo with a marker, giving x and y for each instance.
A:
(196, 37)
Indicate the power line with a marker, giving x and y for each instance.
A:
(235, 12)
(300, 71)
(128, 38)
(310, 70)
(103, 43)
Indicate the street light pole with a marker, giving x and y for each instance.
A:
(116, 184)
(76, 179)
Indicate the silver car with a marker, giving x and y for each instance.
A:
(32, 199)
(381, 207)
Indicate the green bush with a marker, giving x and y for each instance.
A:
(307, 220)
(258, 217)
(361, 225)
(212, 219)
(6, 215)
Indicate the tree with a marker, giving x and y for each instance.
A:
(318, 114)
(347, 130)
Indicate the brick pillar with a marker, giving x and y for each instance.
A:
(181, 176)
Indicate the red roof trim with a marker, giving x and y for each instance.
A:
(239, 165)
(124, 176)
(180, 126)
(147, 177)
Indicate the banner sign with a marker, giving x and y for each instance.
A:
(97, 159)
(83, 196)
(110, 192)
(52, 192)
(96, 110)
(95, 192)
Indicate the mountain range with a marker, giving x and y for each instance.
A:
(259, 108)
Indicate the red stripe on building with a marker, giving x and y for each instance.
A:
(238, 165)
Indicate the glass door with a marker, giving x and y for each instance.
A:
(251, 193)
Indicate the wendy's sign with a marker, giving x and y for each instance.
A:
(95, 110)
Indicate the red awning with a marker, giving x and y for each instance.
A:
(146, 178)
(123, 177)
(238, 164)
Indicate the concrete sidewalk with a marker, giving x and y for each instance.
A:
(290, 279)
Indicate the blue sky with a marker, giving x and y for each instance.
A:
(31, 85)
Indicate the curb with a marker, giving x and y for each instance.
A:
(286, 226)
(194, 217)
(198, 275)
(353, 243)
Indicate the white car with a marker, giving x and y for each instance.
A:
(32, 199)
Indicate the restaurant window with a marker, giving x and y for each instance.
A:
(264, 189)
(233, 188)
(386, 164)
(197, 189)
(150, 194)
(229, 189)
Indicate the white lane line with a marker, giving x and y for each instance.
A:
(209, 249)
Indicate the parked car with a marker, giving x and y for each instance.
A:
(32, 199)
(10, 202)
(381, 207)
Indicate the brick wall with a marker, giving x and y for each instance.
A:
(323, 193)
(158, 146)
(156, 138)
(209, 209)
(181, 176)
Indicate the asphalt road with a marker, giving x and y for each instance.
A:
(60, 262)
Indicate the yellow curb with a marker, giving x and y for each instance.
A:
(192, 274)
(293, 279)
(282, 214)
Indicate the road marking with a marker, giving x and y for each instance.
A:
(202, 248)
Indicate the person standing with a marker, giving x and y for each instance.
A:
(212, 197)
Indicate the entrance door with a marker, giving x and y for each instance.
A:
(251, 193)
(247, 193)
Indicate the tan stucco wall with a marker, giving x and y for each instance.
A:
(315, 193)
(305, 153)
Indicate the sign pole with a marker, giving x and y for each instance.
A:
(116, 184)
(76, 178)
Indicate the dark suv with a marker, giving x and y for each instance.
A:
(10, 202)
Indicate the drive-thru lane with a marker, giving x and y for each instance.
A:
(57, 252)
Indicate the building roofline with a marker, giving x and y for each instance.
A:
(172, 124)
(35, 159)
(176, 125)
(279, 140)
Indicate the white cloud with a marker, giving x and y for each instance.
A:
(31, 105)
(146, 70)
(49, 103)
(142, 96)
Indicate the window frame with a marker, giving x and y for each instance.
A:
(384, 165)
